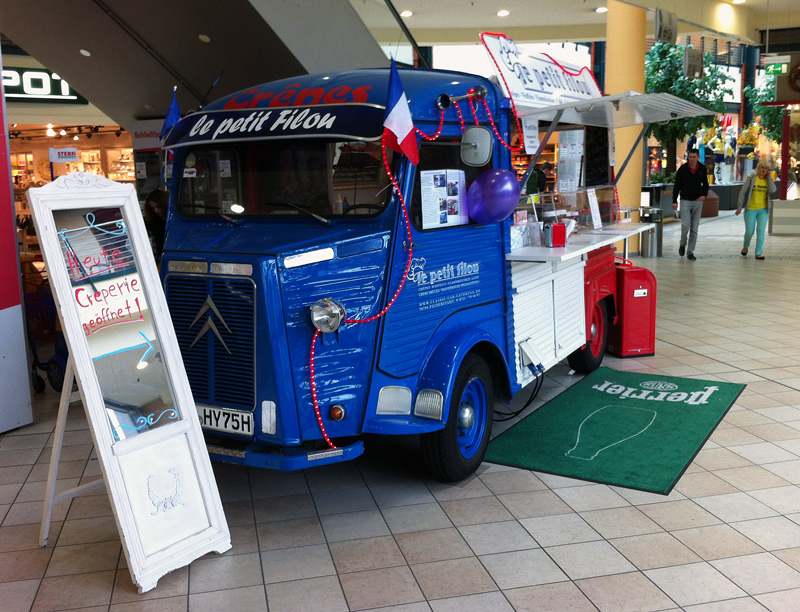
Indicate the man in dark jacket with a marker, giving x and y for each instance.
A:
(691, 183)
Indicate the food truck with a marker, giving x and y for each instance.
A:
(314, 305)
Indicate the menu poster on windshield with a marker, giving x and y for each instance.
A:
(444, 198)
(127, 362)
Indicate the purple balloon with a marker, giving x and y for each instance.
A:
(493, 196)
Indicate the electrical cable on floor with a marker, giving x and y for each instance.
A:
(507, 416)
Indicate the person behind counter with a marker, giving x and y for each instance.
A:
(754, 200)
(537, 183)
(691, 183)
(155, 219)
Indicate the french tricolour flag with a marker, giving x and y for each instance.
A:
(398, 129)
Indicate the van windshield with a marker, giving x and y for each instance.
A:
(285, 179)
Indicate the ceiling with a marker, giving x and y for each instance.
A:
(140, 49)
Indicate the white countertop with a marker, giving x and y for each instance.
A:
(580, 244)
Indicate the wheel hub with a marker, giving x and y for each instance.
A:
(593, 330)
(466, 416)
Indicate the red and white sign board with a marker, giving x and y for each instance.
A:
(537, 80)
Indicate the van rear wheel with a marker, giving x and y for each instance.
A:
(589, 358)
(455, 452)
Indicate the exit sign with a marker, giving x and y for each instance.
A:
(777, 68)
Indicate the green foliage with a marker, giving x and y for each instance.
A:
(664, 73)
(662, 177)
(770, 117)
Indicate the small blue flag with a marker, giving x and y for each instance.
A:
(173, 114)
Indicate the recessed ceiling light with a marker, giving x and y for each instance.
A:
(738, 1)
(63, 133)
(503, 13)
(50, 132)
(603, 9)
(406, 14)
(85, 53)
(204, 38)
(49, 125)
(149, 107)
(75, 137)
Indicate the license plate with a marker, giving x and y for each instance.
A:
(229, 421)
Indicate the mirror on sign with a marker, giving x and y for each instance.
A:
(108, 295)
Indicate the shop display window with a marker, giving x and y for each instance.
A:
(22, 169)
(120, 165)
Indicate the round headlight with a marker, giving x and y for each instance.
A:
(327, 315)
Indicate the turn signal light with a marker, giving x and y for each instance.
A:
(337, 412)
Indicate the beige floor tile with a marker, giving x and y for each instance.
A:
(560, 529)
(743, 418)
(354, 526)
(169, 604)
(785, 500)
(283, 508)
(558, 597)
(774, 432)
(290, 533)
(773, 533)
(592, 497)
(694, 584)
(489, 538)
(751, 478)
(759, 573)
(766, 452)
(654, 550)
(733, 507)
(719, 458)
(467, 488)
(757, 400)
(533, 504)
(522, 568)
(402, 494)
(717, 542)
(789, 470)
(513, 481)
(247, 599)
(25, 537)
(24, 564)
(589, 559)
(225, 572)
(76, 591)
(683, 514)
(340, 501)
(84, 558)
(733, 436)
(740, 604)
(419, 517)
(782, 601)
(702, 484)
(303, 595)
(87, 531)
(476, 511)
(18, 596)
(434, 545)
(482, 602)
(296, 563)
(641, 498)
(452, 578)
(631, 592)
(174, 584)
(366, 554)
(620, 522)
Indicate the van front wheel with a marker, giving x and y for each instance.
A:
(455, 452)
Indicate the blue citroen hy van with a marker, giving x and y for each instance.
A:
(282, 221)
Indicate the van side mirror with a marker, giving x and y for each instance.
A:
(476, 146)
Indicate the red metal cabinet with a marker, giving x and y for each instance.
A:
(634, 334)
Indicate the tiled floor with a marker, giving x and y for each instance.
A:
(378, 534)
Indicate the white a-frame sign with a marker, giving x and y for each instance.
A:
(130, 374)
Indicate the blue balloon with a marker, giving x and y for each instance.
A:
(493, 196)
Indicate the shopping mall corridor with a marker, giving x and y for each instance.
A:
(377, 533)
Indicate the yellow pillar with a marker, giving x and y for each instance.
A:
(626, 29)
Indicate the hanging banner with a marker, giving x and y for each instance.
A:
(538, 80)
(530, 134)
(60, 156)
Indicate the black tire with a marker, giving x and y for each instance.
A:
(589, 358)
(453, 453)
(55, 375)
(38, 382)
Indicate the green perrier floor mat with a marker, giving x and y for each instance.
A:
(621, 428)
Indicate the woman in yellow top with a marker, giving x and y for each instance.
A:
(754, 200)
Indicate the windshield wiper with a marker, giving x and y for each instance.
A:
(230, 220)
(305, 211)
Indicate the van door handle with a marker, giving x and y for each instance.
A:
(413, 244)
